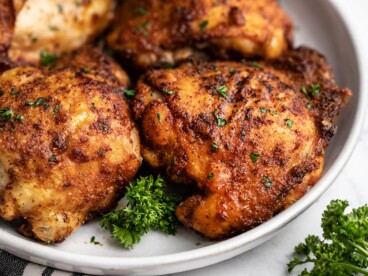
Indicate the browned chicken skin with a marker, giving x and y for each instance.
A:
(68, 143)
(158, 31)
(28, 27)
(245, 134)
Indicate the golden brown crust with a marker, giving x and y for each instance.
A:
(69, 148)
(63, 26)
(152, 32)
(251, 153)
(7, 21)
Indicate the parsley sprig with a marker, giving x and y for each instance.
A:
(149, 206)
(344, 247)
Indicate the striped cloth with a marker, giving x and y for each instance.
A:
(14, 266)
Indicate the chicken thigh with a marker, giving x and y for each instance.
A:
(50, 25)
(158, 31)
(251, 136)
(68, 144)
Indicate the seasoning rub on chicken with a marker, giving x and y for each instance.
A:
(154, 32)
(68, 143)
(250, 136)
(29, 27)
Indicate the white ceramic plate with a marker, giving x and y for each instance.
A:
(319, 26)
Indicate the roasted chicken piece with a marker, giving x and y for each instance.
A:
(251, 136)
(68, 144)
(31, 26)
(158, 31)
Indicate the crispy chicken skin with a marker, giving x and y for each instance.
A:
(244, 133)
(158, 31)
(55, 26)
(68, 144)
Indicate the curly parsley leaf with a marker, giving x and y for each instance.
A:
(149, 206)
(344, 247)
(48, 59)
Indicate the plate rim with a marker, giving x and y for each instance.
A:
(32, 251)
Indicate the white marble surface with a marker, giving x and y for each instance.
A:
(271, 258)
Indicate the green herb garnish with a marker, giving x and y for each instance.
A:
(14, 92)
(289, 123)
(210, 176)
(19, 118)
(254, 157)
(149, 206)
(129, 93)
(6, 114)
(93, 241)
(267, 182)
(214, 146)
(39, 101)
(343, 250)
(203, 25)
(312, 91)
(222, 90)
(86, 70)
(140, 11)
(309, 106)
(219, 121)
(257, 65)
(48, 59)
(167, 91)
(264, 110)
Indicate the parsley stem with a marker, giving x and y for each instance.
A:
(345, 265)
(359, 248)
(352, 267)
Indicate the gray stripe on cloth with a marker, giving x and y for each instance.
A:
(11, 265)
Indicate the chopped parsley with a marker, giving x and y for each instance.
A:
(14, 92)
(309, 106)
(158, 117)
(39, 101)
(129, 93)
(312, 91)
(254, 157)
(53, 159)
(222, 90)
(6, 114)
(231, 70)
(219, 121)
(19, 118)
(86, 70)
(257, 65)
(264, 110)
(93, 241)
(140, 11)
(267, 182)
(48, 59)
(57, 108)
(214, 146)
(167, 91)
(210, 176)
(149, 206)
(203, 25)
(143, 28)
(289, 123)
